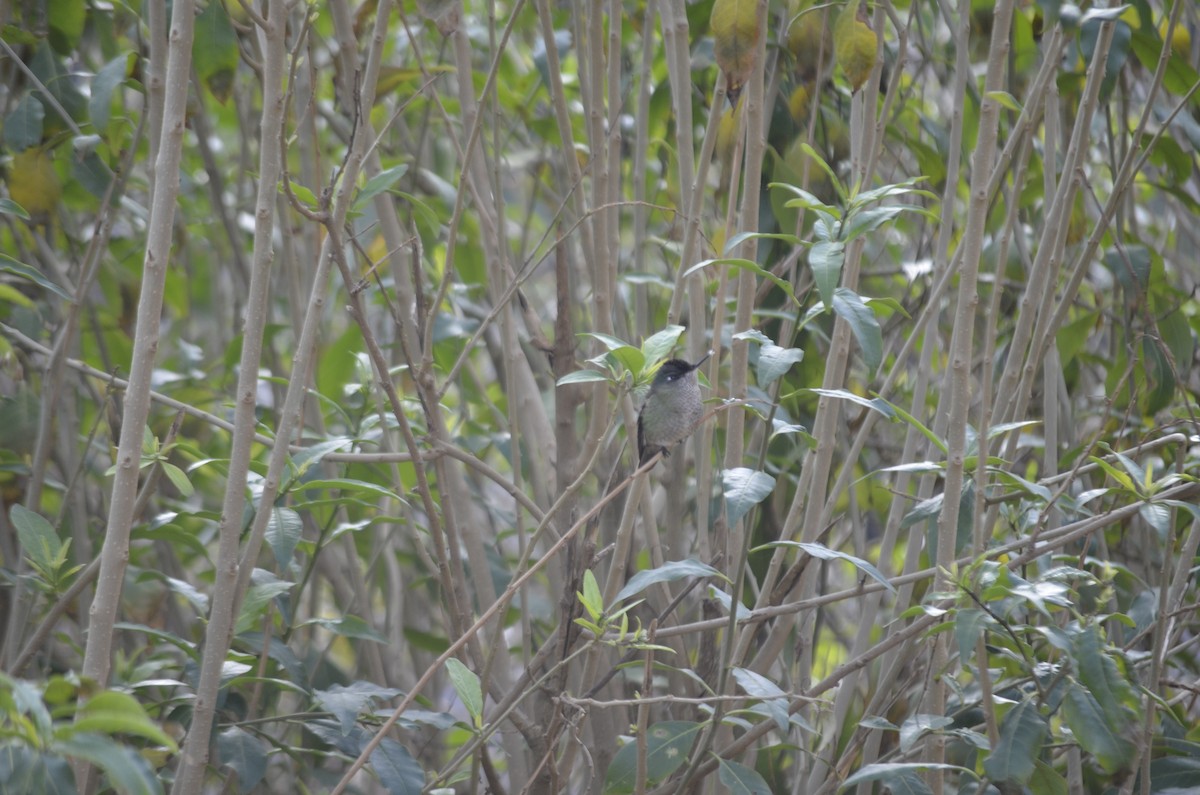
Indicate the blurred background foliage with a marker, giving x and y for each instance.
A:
(556, 197)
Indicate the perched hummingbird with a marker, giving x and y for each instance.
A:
(672, 410)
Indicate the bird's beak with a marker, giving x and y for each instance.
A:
(704, 359)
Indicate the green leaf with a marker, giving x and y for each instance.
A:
(303, 194)
(894, 189)
(1021, 734)
(744, 488)
(825, 553)
(741, 780)
(937, 441)
(863, 222)
(10, 265)
(348, 627)
(668, 572)
(348, 702)
(398, 772)
(583, 377)
(917, 726)
(805, 199)
(631, 358)
(104, 84)
(1091, 728)
(1130, 265)
(899, 777)
(11, 295)
(969, 624)
(244, 753)
(923, 511)
(863, 324)
(1098, 672)
(748, 265)
(591, 598)
(875, 404)
(113, 712)
(773, 697)
(816, 157)
(826, 259)
(350, 484)
(257, 598)
(1174, 773)
(23, 125)
(774, 361)
(659, 345)
(425, 218)
(1046, 780)
(26, 769)
(1005, 99)
(306, 459)
(27, 702)
(667, 747)
(284, 529)
(10, 207)
(741, 237)
(754, 335)
(466, 684)
(377, 184)
(178, 479)
(37, 536)
(1123, 479)
(92, 173)
(127, 771)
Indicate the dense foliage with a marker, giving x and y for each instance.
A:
(323, 328)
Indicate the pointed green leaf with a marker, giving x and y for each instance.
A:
(748, 265)
(875, 404)
(668, 572)
(826, 258)
(774, 361)
(772, 696)
(863, 324)
(744, 488)
(466, 684)
(659, 345)
(10, 265)
(741, 780)
(1021, 734)
(398, 771)
(377, 184)
(667, 747)
(583, 377)
(1095, 735)
(37, 536)
(825, 553)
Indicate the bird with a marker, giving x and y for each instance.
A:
(735, 31)
(672, 410)
(810, 42)
(855, 44)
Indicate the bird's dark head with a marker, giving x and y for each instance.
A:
(674, 369)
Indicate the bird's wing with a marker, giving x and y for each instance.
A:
(641, 441)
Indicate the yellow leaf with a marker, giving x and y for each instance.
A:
(734, 25)
(855, 43)
(809, 41)
(32, 181)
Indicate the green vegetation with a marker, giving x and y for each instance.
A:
(323, 329)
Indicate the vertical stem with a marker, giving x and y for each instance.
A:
(959, 374)
(217, 635)
(114, 555)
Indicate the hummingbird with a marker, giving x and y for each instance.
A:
(672, 409)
